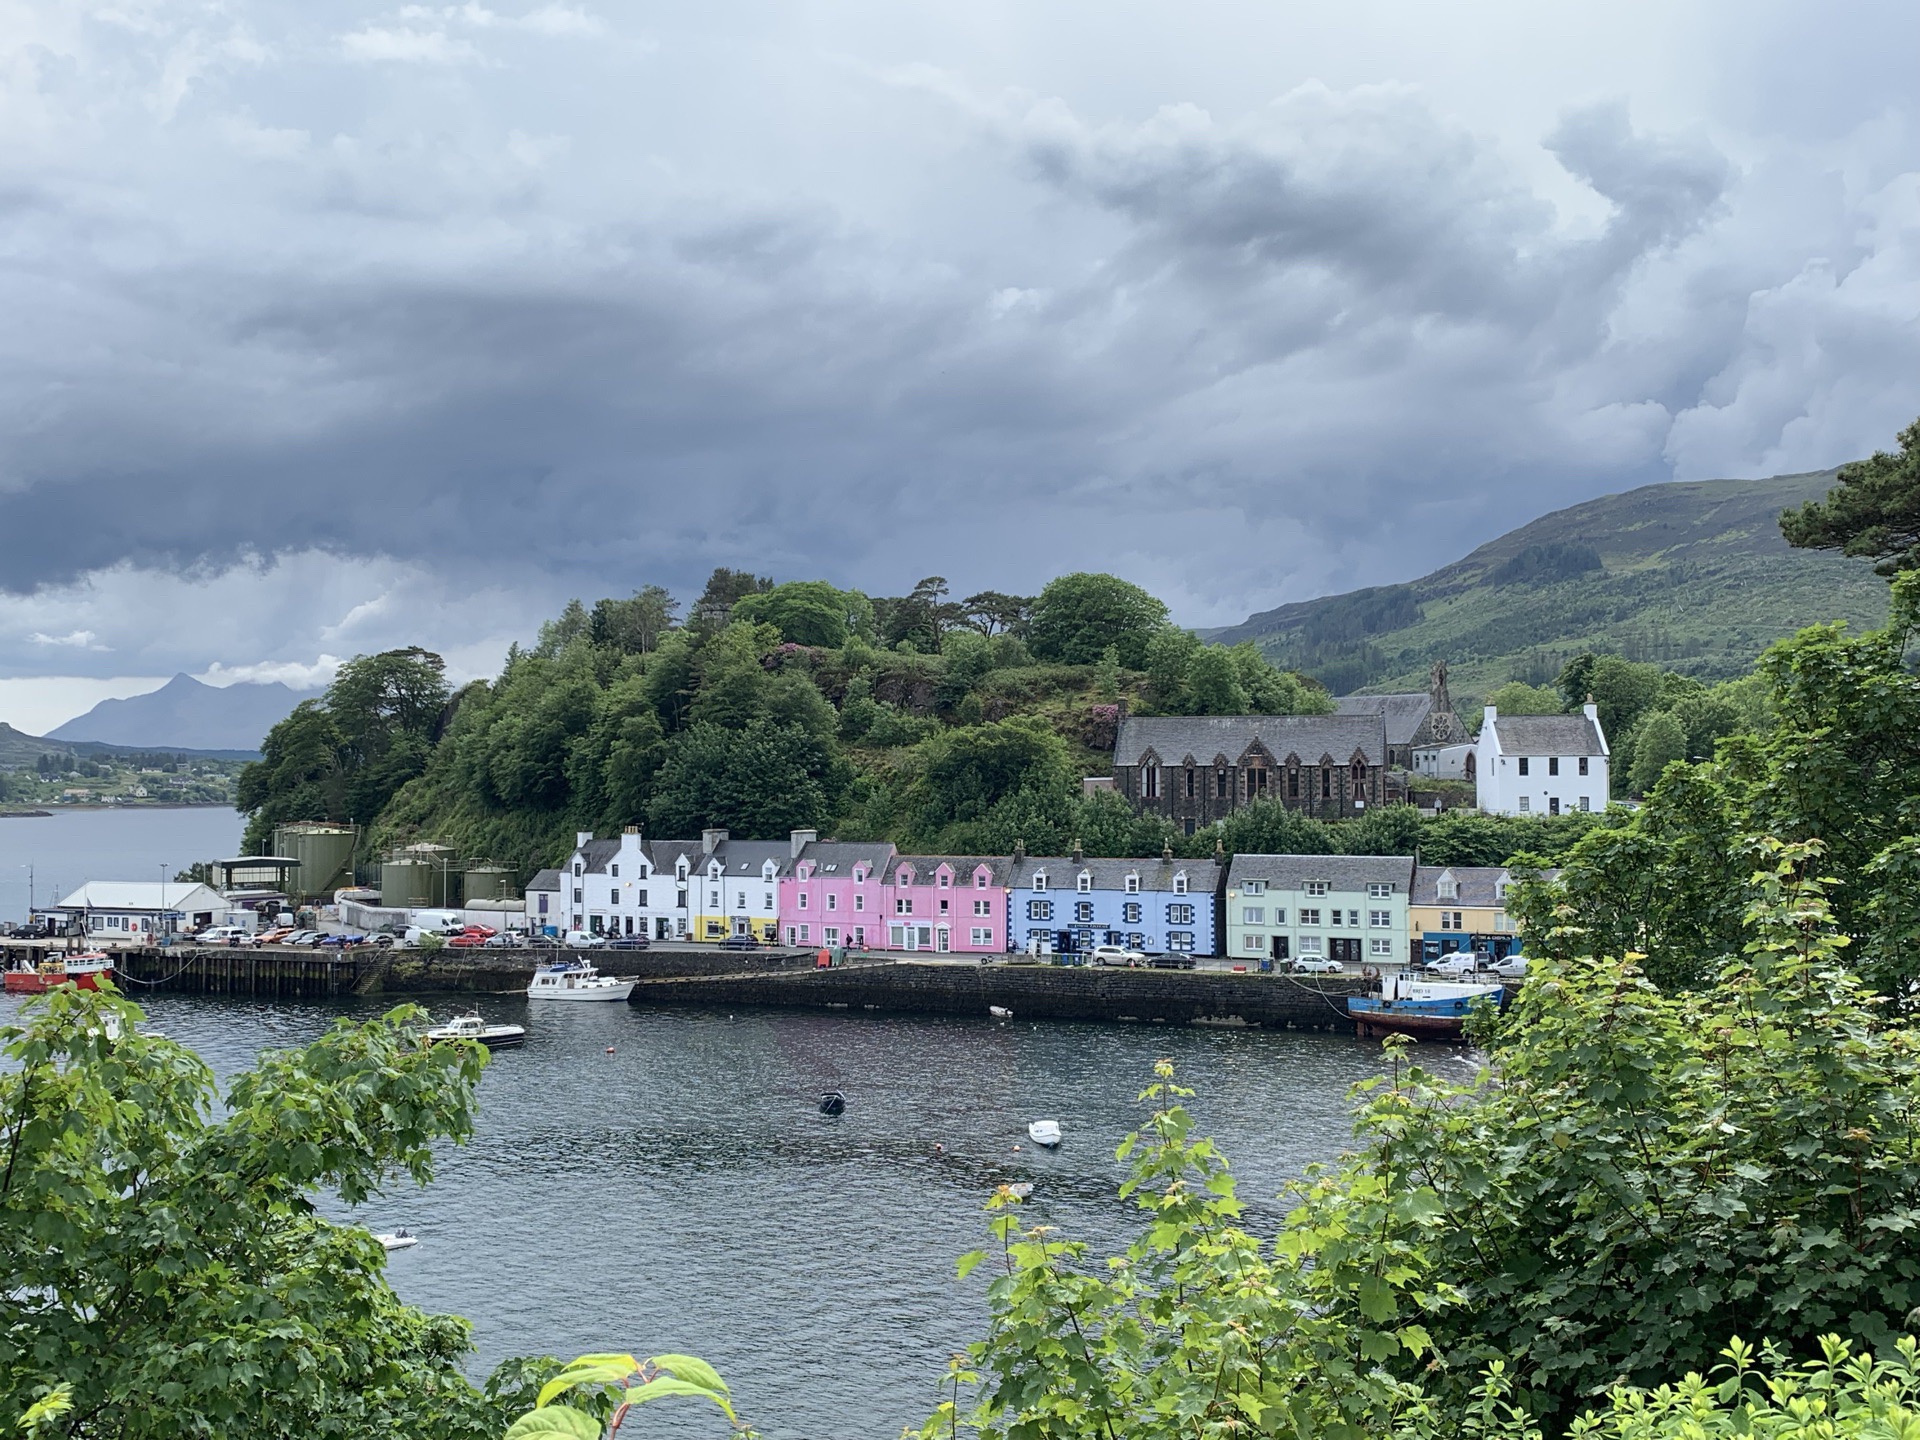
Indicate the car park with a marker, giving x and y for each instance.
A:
(1317, 965)
(1116, 955)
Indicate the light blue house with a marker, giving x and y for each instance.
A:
(1072, 903)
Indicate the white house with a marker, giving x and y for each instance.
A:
(1541, 764)
(736, 884)
(144, 909)
(1446, 762)
(611, 887)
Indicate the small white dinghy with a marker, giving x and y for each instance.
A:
(999, 1012)
(1044, 1132)
(472, 1027)
(398, 1239)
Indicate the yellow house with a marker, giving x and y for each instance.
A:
(1461, 907)
(737, 889)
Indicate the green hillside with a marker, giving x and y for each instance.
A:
(1694, 576)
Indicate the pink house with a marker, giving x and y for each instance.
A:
(833, 894)
(949, 904)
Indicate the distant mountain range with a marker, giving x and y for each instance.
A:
(1693, 575)
(185, 714)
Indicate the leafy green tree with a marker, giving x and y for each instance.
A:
(962, 774)
(297, 777)
(635, 625)
(759, 781)
(805, 612)
(1517, 698)
(1873, 513)
(733, 677)
(1078, 616)
(1169, 656)
(160, 1256)
(992, 612)
(1659, 740)
(1213, 683)
(726, 588)
(917, 620)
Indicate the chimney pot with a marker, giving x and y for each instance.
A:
(798, 840)
(1019, 851)
(1078, 855)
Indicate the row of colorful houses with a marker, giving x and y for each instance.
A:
(806, 891)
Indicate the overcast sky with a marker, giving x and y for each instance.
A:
(333, 327)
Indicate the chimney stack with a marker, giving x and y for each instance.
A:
(798, 840)
(580, 839)
(1019, 851)
(1166, 852)
(712, 840)
(1078, 856)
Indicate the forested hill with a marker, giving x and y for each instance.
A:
(1693, 575)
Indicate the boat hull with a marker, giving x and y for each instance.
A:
(604, 994)
(1439, 1019)
(38, 982)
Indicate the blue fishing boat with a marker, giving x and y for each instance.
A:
(1428, 1009)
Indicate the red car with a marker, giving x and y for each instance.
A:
(466, 940)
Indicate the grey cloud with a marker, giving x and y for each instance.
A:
(1224, 356)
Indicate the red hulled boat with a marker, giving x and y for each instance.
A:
(86, 971)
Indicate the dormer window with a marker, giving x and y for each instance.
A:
(1133, 884)
(1315, 887)
(1180, 883)
(1449, 888)
(1039, 881)
(903, 876)
(1084, 882)
(1253, 887)
(979, 879)
(859, 874)
(945, 879)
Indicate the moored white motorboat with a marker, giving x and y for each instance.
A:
(398, 1239)
(472, 1027)
(1044, 1132)
(576, 980)
(999, 1012)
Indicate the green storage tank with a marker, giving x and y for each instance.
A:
(325, 852)
(404, 883)
(487, 881)
(442, 866)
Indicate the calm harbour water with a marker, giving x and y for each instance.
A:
(684, 1193)
(69, 847)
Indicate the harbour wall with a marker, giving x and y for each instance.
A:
(1030, 992)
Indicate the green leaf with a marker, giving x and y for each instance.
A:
(666, 1385)
(966, 1263)
(558, 1421)
(576, 1374)
(691, 1367)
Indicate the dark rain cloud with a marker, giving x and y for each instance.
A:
(378, 289)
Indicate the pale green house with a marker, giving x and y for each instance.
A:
(1350, 908)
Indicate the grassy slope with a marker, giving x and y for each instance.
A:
(1696, 577)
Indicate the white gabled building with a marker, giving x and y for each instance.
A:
(610, 887)
(1541, 764)
(146, 909)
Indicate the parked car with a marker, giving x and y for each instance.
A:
(583, 940)
(506, 940)
(225, 935)
(465, 941)
(1116, 955)
(627, 942)
(739, 942)
(1171, 961)
(343, 942)
(1317, 965)
(1464, 962)
(276, 936)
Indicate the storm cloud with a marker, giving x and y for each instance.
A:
(333, 327)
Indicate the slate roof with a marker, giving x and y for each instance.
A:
(597, 854)
(745, 857)
(545, 880)
(1403, 714)
(1156, 874)
(838, 857)
(1479, 885)
(667, 854)
(1548, 735)
(963, 865)
(1174, 737)
(1341, 872)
